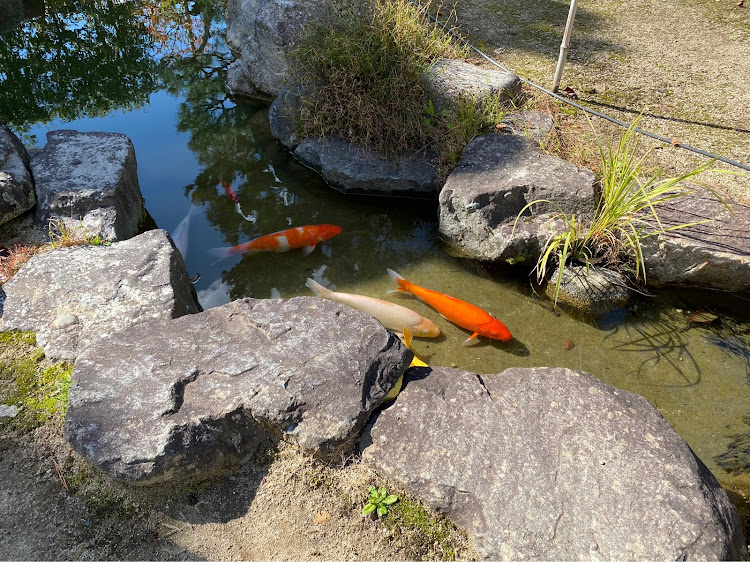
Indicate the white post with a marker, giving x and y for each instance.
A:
(565, 44)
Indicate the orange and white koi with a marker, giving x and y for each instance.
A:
(393, 316)
(455, 310)
(306, 237)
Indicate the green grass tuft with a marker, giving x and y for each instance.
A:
(428, 536)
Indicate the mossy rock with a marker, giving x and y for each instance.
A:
(589, 289)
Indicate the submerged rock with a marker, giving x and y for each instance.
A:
(16, 185)
(73, 297)
(171, 398)
(91, 180)
(496, 178)
(552, 464)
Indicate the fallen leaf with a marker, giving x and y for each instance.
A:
(570, 92)
(322, 517)
(703, 316)
(569, 345)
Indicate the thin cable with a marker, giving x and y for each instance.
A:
(586, 109)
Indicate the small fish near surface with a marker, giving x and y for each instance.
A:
(455, 310)
(393, 316)
(180, 234)
(231, 193)
(306, 237)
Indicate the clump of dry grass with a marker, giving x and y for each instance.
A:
(14, 258)
(366, 71)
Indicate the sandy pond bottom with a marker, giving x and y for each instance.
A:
(696, 374)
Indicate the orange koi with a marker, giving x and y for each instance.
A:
(298, 237)
(231, 193)
(455, 310)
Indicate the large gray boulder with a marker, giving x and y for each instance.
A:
(74, 297)
(171, 398)
(16, 185)
(89, 180)
(260, 34)
(354, 169)
(497, 176)
(715, 254)
(552, 464)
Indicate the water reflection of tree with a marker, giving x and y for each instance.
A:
(83, 58)
(86, 58)
(658, 337)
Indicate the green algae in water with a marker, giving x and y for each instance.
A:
(30, 383)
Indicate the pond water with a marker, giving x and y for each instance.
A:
(155, 71)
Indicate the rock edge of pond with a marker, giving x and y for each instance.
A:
(163, 391)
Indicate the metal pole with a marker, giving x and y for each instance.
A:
(565, 44)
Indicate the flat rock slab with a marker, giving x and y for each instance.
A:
(714, 254)
(168, 399)
(16, 186)
(73, 297)
(552, 464)
(449, 80)
(354, 169)
(498, 175)
(89, 179)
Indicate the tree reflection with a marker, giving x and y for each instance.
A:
(86, 58)
(83, 58)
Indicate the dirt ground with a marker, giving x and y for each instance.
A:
(281, 505)
(685, 64)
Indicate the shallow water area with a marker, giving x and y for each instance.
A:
(190, 135)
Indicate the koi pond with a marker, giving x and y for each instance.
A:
(155, 72)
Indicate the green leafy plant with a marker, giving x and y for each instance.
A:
(625, 215)
(63, 234)
(378, 501)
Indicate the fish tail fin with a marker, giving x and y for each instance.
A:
(220, 253)
(400, 281)
(318, 289)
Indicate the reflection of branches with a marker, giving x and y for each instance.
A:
(662, 341)
(736, 459)
(733, 345)
(179, 28)
(84, 58)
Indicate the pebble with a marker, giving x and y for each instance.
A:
(64, 320)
